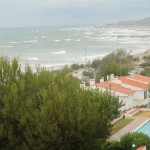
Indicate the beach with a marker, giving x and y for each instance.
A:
(54, 47)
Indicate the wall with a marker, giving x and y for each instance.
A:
(128, 101)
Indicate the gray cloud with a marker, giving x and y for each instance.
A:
(60, 12)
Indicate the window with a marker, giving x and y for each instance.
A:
(145, 94)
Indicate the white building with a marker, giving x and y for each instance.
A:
(140, 96)
(132, 90)
(125, 95)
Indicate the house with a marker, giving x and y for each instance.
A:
(125, 95)
(131, 90)
(140, 96)
(140, 78)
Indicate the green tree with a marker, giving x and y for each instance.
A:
(116, 62)
(139, 139)
(89, 74)
(95, 63)
(127, 141)
(111, 145)
(48, 110)
(146, 71)
(116, 69)
(75, 66)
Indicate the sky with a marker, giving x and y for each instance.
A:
(22, 13)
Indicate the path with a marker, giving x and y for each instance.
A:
(129, 128)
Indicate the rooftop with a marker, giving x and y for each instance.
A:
(141, 148)
(133, 83)
(115, 87)
(139, 77)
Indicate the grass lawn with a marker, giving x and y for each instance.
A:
(143, 114)
(120, 124)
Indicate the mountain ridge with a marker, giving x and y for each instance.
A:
(141, 22)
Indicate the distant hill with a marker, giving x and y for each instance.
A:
(142, 22)
(145, 21)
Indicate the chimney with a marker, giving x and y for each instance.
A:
(102, 80)
(111, 76)
(108, 77)
(92, 82)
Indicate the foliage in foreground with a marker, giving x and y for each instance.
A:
(49, 110)
(120, 124)
(127, 142)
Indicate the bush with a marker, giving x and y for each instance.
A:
(136, 138)
(127, 141)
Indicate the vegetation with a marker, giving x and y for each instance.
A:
(48, 110)
(120, 124)
(146, 59)
(143, 114)
(146, 64)
(117, 63)
(146, 71)
(116, 69)
(89, 74)
(96, 63)
(127, 141)
(136, 59)
(76, 66)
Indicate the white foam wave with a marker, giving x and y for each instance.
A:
(68, 40)
(35, 31)
(43, 37)
(33, 58)
(89, 33)
(78, 40)
(140, 50)
(47, 65)
(33, 41)
(71, 29)
(14, 42)
(7, 46)
(130, 42)
(88, 28)
(94, 56)
(57, 40)
(60, 52)
(62, 64)
(54, 65)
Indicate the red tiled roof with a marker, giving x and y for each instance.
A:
(115, 87)
(140, 148)
(133, 83)
(140, 77)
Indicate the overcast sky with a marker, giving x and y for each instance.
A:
(70, 12)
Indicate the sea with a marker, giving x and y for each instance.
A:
(55, 47)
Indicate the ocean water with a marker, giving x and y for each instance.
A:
(58, 46)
